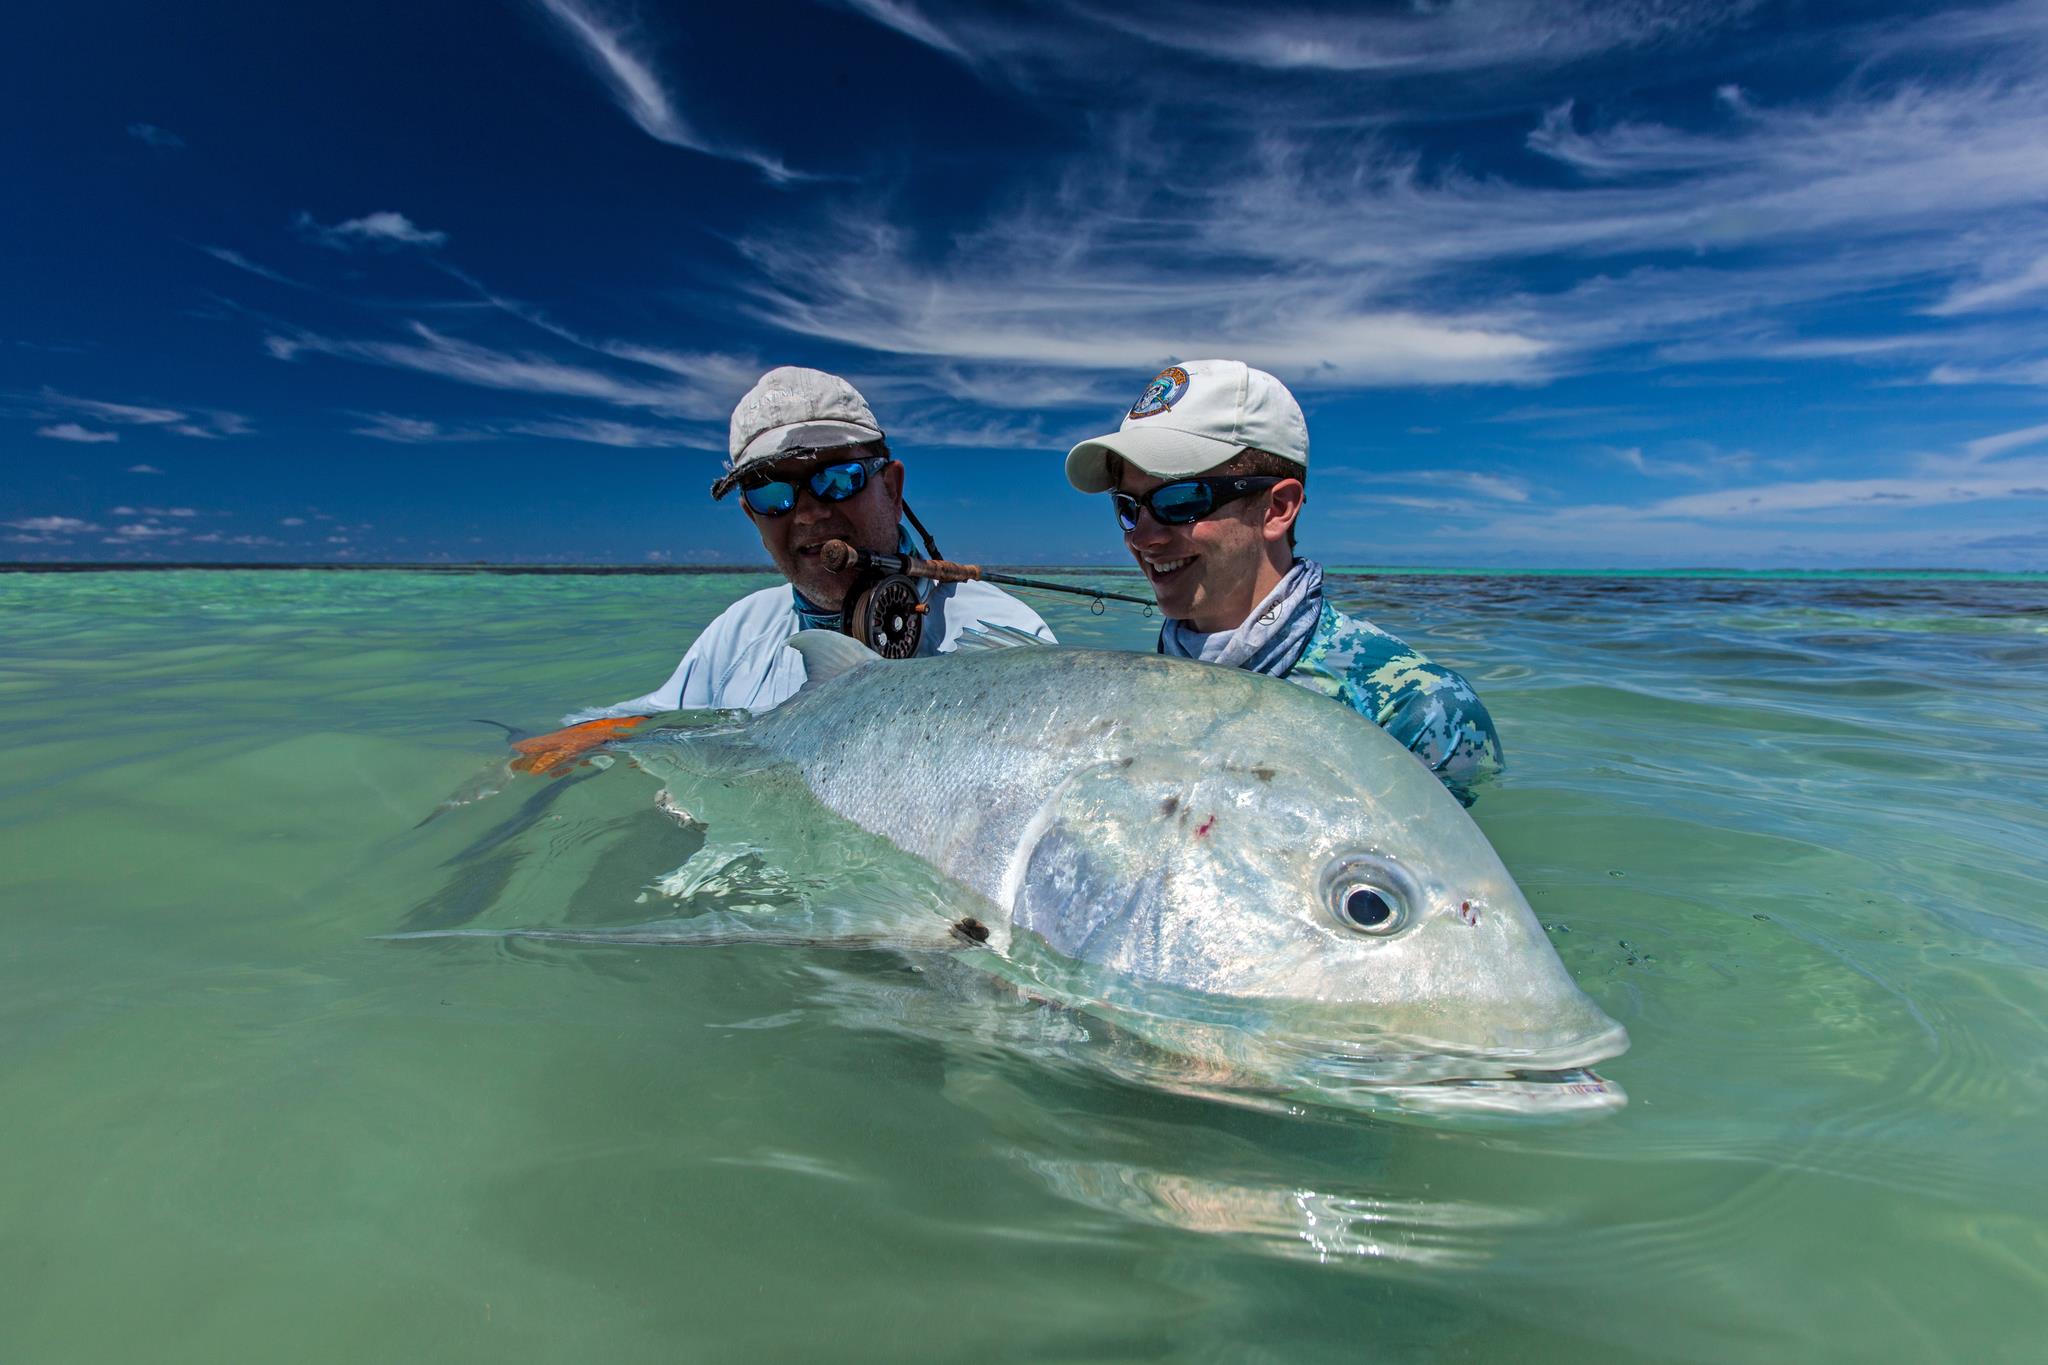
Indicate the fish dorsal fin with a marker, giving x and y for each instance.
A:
(993, 635)
(827, 654)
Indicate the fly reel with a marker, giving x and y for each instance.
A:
(887, 617)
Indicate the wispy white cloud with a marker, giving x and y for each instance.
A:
(383, 228)
(1406, 501)
(1784, 500)
(1988, 447)
(1422, 39)
(2013, 26)
(588, 430)
(143, 469)
(385, 426)
(214, 426)
(622, 435)
(206, 426)
(126, 413)
(1034, 290)
(904, 17)
(469, 363)
(1932, 508)
(391, 426)
(1993, 293)
(1009, 387)
(1472, 483)
(611, 48)
(220, 538)
(2014, 372)
(241, 262)
(1692, 460)
(927, 428)
(1334, 249)
(715, 377)
(61, 526)
(1492, 487)
(436, 353)
(72, 431)
(1418, 40)
(1878, 519)
(154, 136)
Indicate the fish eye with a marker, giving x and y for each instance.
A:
(1369, 895)
(1366, 907)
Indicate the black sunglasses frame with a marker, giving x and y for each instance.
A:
(1223, 489)
(870, 465)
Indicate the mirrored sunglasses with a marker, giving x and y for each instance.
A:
(1186, 501)
(769, 497)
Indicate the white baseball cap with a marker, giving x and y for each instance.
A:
(791, 409)
(1193, 417)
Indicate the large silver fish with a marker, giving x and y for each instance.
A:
(1260, 883)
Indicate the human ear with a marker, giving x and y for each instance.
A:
(1283, 506)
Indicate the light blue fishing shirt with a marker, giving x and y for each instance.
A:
(741, 660)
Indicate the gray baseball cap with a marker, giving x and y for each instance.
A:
(792, 409)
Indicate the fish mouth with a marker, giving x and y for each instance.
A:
(1575, 1093)
(1555, 1082)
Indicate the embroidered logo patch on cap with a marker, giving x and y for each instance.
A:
(1162, 393)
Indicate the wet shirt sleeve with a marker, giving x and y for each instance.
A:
(739, 662)
(1431, 709)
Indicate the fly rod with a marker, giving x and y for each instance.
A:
(837, 556)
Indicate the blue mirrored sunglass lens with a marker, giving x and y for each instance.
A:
(1179, 503)
(839, 482)
(770, 499)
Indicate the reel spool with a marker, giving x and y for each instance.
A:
(887, 617)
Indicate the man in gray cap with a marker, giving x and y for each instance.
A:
(811, 465)
(1207, 473)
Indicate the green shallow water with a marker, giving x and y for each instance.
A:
(1790, 833)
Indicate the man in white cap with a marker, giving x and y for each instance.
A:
(1208, 473)
(811, 465)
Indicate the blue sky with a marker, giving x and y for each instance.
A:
(1559, 283)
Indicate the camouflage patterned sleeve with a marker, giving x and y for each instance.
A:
(1429, 708)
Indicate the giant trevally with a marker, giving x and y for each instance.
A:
(1266, 886)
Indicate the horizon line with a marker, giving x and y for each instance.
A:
(514, 567)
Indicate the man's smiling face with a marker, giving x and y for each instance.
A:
(1205, 573)
(867, 521)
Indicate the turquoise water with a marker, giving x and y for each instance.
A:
(1790, 832)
